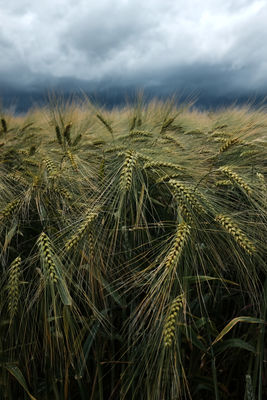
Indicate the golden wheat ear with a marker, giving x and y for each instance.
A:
(180, 240)
(236, 179)
(227, 144)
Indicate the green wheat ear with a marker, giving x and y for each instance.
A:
(47, 256)
(105, 123)
(66, 133)
(166, 124)
(58, 134)
(127, 171)
(77, 140)
(4, 125)
(13, 287)
(83, 228)
(171, 320)
(132, 126)
(51, 169)
(10, 208)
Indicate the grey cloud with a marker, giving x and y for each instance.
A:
(212, 46)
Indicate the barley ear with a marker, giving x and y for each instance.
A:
(236, 232)
(171, 320)
(66, 133)
(47, 255)
(127, 171)
(227, 144)
(81, 230)
(181, 237)
(58, 134)
(13, 287)
(72, 160)
(9, 209)
(4, 125)
(236, 179)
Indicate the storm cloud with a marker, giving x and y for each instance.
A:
(216, 46)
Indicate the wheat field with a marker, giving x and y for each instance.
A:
(133, 252)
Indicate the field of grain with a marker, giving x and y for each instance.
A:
(133, 253)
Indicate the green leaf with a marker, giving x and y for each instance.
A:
(10, 235)
(16, 372)
(235, 343)
(232, 323)
(64, 292)
(87, 346)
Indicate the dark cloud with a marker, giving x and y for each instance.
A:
(213, 48)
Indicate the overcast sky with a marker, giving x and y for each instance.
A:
(212, 45)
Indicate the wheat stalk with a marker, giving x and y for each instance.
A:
(114, 149)
(249, 388)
